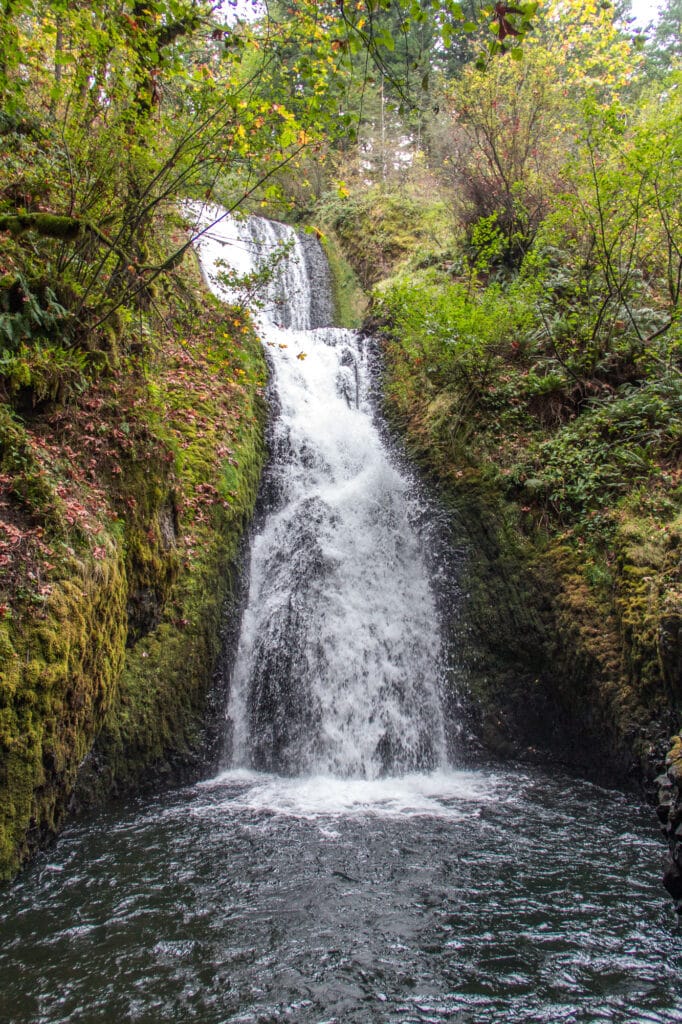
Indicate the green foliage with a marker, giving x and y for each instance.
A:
(388, 28)
(381, 227)
(487, 242)
(27, 310)
(620, 442)
(504, 145)
(49, 371)
(111, 119)
(512, 123)
(457, 336)
(609, 252)
(561, 375)
(665, 49)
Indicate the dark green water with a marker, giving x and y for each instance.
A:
(461, 896)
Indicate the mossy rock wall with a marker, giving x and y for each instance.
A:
(546, 667)
(124, 518)
(501, 632)
(59, 679)
(168, 696)
(378, 229)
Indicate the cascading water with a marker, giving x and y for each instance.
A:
(338, 664)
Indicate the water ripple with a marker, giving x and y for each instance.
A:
(466, 897)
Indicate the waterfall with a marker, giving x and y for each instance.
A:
(339, 659)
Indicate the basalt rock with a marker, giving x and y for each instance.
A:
(669, 812)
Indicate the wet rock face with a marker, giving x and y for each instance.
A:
(317, 270)
(669, 811)
(168, 524)
(347, 380)
(144, 613)
(156, 570)
(670, 651)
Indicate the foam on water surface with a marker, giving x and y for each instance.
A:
(446, 794)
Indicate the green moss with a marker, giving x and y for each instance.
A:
(51, 225)
(648, 602)
(31, 483)
(157, 723)
(540, 669)
(9, 664)
(350, 302)
(380, 229)
(63, 671)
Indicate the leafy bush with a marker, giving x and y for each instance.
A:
(49, 370)
(27, 310)
(459, 335)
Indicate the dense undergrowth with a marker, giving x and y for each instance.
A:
(577, 451)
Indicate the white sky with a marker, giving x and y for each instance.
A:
(645, 11)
